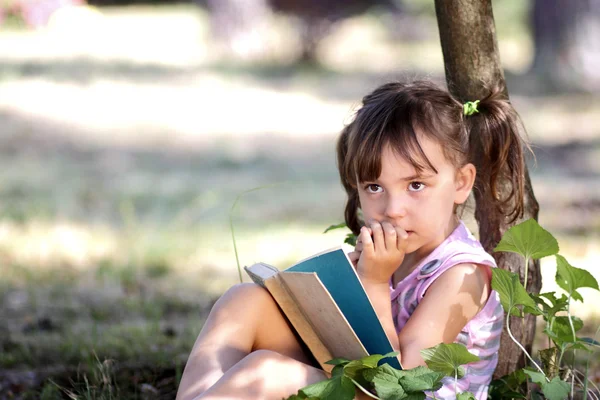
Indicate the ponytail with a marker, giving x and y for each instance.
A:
(353, 202)
(496, 150)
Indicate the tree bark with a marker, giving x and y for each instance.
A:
(472, 63)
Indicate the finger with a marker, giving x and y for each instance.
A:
(359, 244)
(378, 238)
(354, 256)
(389, 233)
(367, 241)
(402, 236)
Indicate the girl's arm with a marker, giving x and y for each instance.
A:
(380, 250)
(449, 303)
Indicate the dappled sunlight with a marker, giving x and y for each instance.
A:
(128, 133)
(39, 245)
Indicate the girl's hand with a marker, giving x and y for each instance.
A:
(355, 255)
(383, 247)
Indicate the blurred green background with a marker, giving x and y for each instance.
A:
(128, 129)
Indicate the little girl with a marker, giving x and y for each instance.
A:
(409, 159)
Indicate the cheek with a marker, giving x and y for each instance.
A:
(369, 206)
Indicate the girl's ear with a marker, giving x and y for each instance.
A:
(465, 178)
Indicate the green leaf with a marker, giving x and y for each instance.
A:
(556, 304)
(562, 329)
(338, 388)
(570, 278)
(509, 386)
(373, 360)
(465, 396)
(419, 379)
(415, 396)
(579, 346)
(338, 370)
(556, 389)
(590, 341)
(350, 239)
(511, 291)
(337, 226)
(383, 372)
(337, 361)
(536, 377)
(528, 239)
(447, 358)
(387, 390)
(353, 368)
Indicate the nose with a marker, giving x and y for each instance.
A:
(396, 207)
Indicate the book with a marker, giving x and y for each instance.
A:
(326, 303)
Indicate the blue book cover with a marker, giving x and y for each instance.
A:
(339, 277)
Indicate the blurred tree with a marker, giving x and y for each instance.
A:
(240, 25)
(567, 49)
(239, 22)
(471, 60)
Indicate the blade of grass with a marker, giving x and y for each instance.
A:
(231, 211)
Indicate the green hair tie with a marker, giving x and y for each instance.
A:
(470, 107)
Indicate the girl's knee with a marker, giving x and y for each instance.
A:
(245, 293)
(241, 299)
(268, 363)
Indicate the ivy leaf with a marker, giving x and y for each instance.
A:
(419, 379)
(338, 388)
(511, 291)
(337, 226)
(448, 358)
(570, 278)
(528, 239)
(556, 389)
(465, 396)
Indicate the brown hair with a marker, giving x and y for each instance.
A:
(397, 113)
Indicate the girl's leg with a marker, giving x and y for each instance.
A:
(263, 375)
(245, 319)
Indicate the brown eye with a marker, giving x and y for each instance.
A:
(416, 186)
(373, 188)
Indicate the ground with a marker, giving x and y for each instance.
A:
(124, 145)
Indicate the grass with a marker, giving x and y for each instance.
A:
(114, 237)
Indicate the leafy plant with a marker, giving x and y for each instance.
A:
(531, 241)
(552, 377)
(350, 237)
(379, 380)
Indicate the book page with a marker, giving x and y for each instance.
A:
(323, 314)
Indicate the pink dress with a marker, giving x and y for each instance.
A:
(481, 335)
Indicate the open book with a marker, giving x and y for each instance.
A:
(326, 303)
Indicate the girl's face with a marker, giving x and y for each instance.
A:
(420, 203)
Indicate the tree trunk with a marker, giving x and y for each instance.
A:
(240, 26)
(472, 61)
